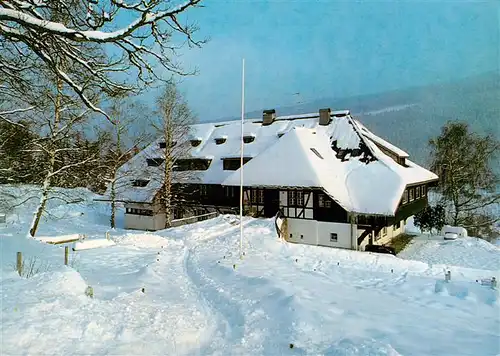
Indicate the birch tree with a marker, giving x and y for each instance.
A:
(467, 164)
(144, 37)
(59, 123)
(173, 128)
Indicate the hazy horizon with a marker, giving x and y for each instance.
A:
(333, 49)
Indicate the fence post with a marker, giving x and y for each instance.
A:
(19, 264)
(66, 255)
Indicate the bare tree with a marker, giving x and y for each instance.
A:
(173, 128)
(127, 136)
(468, 177)
(57, 34)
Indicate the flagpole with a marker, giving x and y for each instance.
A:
(241, 157)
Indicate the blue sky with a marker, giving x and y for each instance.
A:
(333, 49)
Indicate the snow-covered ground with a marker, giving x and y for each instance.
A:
(185, 291)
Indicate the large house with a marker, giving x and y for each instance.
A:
(332, 181)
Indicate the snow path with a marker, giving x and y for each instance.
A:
(275, 309)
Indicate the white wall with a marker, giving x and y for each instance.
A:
(283, 198)
(314, 232)
(343, 232)
(139, 222)
(311, 199)
(302, 231)
(391, 233)
(144, 222)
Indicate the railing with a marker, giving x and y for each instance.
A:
(193, 219)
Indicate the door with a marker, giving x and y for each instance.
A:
(271, 202)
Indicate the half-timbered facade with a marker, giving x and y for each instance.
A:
(331, 180)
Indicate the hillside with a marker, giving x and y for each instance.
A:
(409, 117)
(185, 291)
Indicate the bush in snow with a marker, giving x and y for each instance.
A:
(32, 266)
(432, 217)
(89, 292)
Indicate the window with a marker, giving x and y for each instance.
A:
(316, 153)
(233, 164)
(134, 211)
(323, 201)
(253, 196)
(405, 197)
(140, 183)
(300, 198)
(295, 198)
(260, 196)
(192, 164)
(203, 190)
(164, 144)
(412, 194)
(384, 231)
(333, 237)
(220, 140)
(229, 191)
(195, 143)
(257, 196)
(395, 226)
(424, 191)
(248, 139)
(417, 192)
(154, 162)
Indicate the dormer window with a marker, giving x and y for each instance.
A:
(195, 143)
(164, 144)
(280, 134)
(220, 140)
(140, 183)
(154, 162)
(248, 139)
(233, 164)
(192, 164)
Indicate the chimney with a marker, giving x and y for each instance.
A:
(268, 117)
(324, 116)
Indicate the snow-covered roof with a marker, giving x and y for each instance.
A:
(341, 158)
(304, 158)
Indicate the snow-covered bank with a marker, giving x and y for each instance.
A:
(185, 291)
(468, 252)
